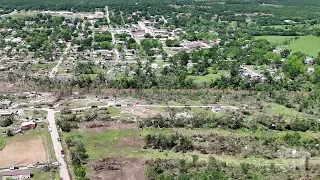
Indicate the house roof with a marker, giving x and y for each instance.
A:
(28, 123)
(16, 173)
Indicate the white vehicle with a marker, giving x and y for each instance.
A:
(50, 129)
(13, 167)
(30, 166)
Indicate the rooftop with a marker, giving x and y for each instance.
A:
(16, 173)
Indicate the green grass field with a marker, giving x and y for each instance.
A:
(275, 39)
(1, 141)
(48, 65)
(207, 78)
(309, 45)
(37, 175)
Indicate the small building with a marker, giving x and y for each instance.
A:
(16, 174)
(154, 66)
(216, 108)
(7, 113)
(28, 125)
(310, 70)
(308, 60)
(6, 103)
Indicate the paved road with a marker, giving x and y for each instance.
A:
(57, 145)
(55, 69)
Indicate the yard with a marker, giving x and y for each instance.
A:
(37, 175)
(207, 78)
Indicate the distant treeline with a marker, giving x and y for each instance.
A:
(277, 2)
(76, 5)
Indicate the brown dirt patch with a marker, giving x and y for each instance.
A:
(142, 112)
(117, 168)
(22, 153)
(84, 127)
(135, 142)
(120, 125)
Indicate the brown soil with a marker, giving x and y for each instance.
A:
(142, 112)
(119, 125)
(23, 153)
(135, 142)
(85, 127)
(117, 168)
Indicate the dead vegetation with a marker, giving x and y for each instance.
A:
(117, 168)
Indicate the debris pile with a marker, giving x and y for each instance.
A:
(94, 125)
(109, 163)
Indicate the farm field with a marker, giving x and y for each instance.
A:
(29, 146)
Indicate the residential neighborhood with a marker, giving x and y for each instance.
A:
(133, 90)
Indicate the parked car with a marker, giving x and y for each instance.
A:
(14, 167)
(59, 139)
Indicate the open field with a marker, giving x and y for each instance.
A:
(48, 65)
(22, 150)
(126, 141)
(275, 39)
(207, 78)
(309, 45)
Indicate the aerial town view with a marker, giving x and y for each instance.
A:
(160, 89)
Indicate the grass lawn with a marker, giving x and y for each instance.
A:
(309, 45)
(47, 65)
(37, 175)
(100, 145)
(1, 141)
(19, 16)
(161, 63)
(277, 109)
(97, 104)
(207, 78)
(257, 69)
(275, 39)
(35, 114)
(108, 138)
